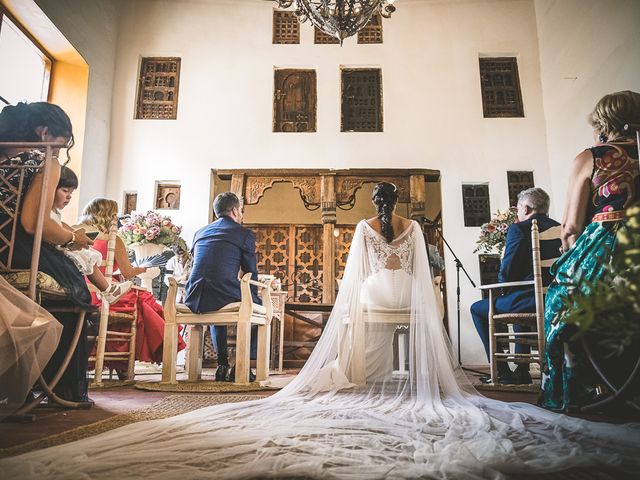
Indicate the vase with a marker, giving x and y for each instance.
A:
(144, 251)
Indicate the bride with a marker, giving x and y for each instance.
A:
(347, 414)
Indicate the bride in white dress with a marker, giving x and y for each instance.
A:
(347, 414)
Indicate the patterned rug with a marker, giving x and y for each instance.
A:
(167, 407)
(205, 386)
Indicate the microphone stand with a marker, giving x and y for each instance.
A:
(459, 266)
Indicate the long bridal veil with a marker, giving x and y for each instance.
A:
(352, 412)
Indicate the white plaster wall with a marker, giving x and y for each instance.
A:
(588, 48)
(432, 106)
(91, 27)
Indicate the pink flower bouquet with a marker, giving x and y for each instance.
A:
(150, 227)
(494, 233)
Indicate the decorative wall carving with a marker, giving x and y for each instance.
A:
(158, 88)
(475, 202)
(309, 188)
(361, 100)
(130, 202)
(286, 27)
(500, 84)
(372, 31)
(168, 196)
(346, 187)
(517, 182)
(321, 38)
(294, 101)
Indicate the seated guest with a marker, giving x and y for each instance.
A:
(220, 250)
(517, 265)
(87, 260)
(604, 181)
(44, 122)
(98, 214)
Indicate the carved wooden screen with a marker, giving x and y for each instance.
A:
(320, 38)
(372, 32)
(501, 96)
(517, 182)
(286, 27)
(294, 101)
(293, 253)
(272, 251)
(342, 246)
(475, 202)
(158, 88)
(489, 269)
(361, 100)
(308, 264)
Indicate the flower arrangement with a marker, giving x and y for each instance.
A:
(150, 227)
(494, 233)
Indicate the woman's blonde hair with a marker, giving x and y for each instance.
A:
(617, 114)
(99, 212)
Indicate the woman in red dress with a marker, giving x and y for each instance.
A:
(98, 214)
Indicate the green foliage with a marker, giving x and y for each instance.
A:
(607, 311)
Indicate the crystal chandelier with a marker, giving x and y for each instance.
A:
(339, 18)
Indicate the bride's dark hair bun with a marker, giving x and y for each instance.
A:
(385, 197)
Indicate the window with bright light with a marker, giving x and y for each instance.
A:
(24, 65)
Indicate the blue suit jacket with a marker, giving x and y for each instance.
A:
(516, 263)
(219, 251)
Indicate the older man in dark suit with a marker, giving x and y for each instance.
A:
(517, 265)
(220, 250)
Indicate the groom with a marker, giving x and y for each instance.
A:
(220, 250)
(517, 265)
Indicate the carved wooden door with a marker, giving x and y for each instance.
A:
(294, 101)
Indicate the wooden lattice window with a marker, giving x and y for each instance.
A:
(158, 88)
(286, 27)
(475, 202)
(321, 38)
(130, 202)
(294, 101)
(489, 270)
(517, 182)
(361, 100)
(372, 31)
(501, 95)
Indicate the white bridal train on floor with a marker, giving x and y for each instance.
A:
(347, 415)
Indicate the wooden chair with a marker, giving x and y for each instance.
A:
(535, 320)
(38, 286)
(109, 319)
(241, 314)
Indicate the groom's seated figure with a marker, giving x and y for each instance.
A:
(517, 265)
(220, 250)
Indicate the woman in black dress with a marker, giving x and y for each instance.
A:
(43, 122)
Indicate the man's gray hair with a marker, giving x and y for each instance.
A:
(536, 198)
(224, 203)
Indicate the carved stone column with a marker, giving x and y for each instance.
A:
(417, 192)
(328, 203)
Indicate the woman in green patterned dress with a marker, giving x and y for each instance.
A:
(604, 182)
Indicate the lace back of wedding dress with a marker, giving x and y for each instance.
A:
(429, 423)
